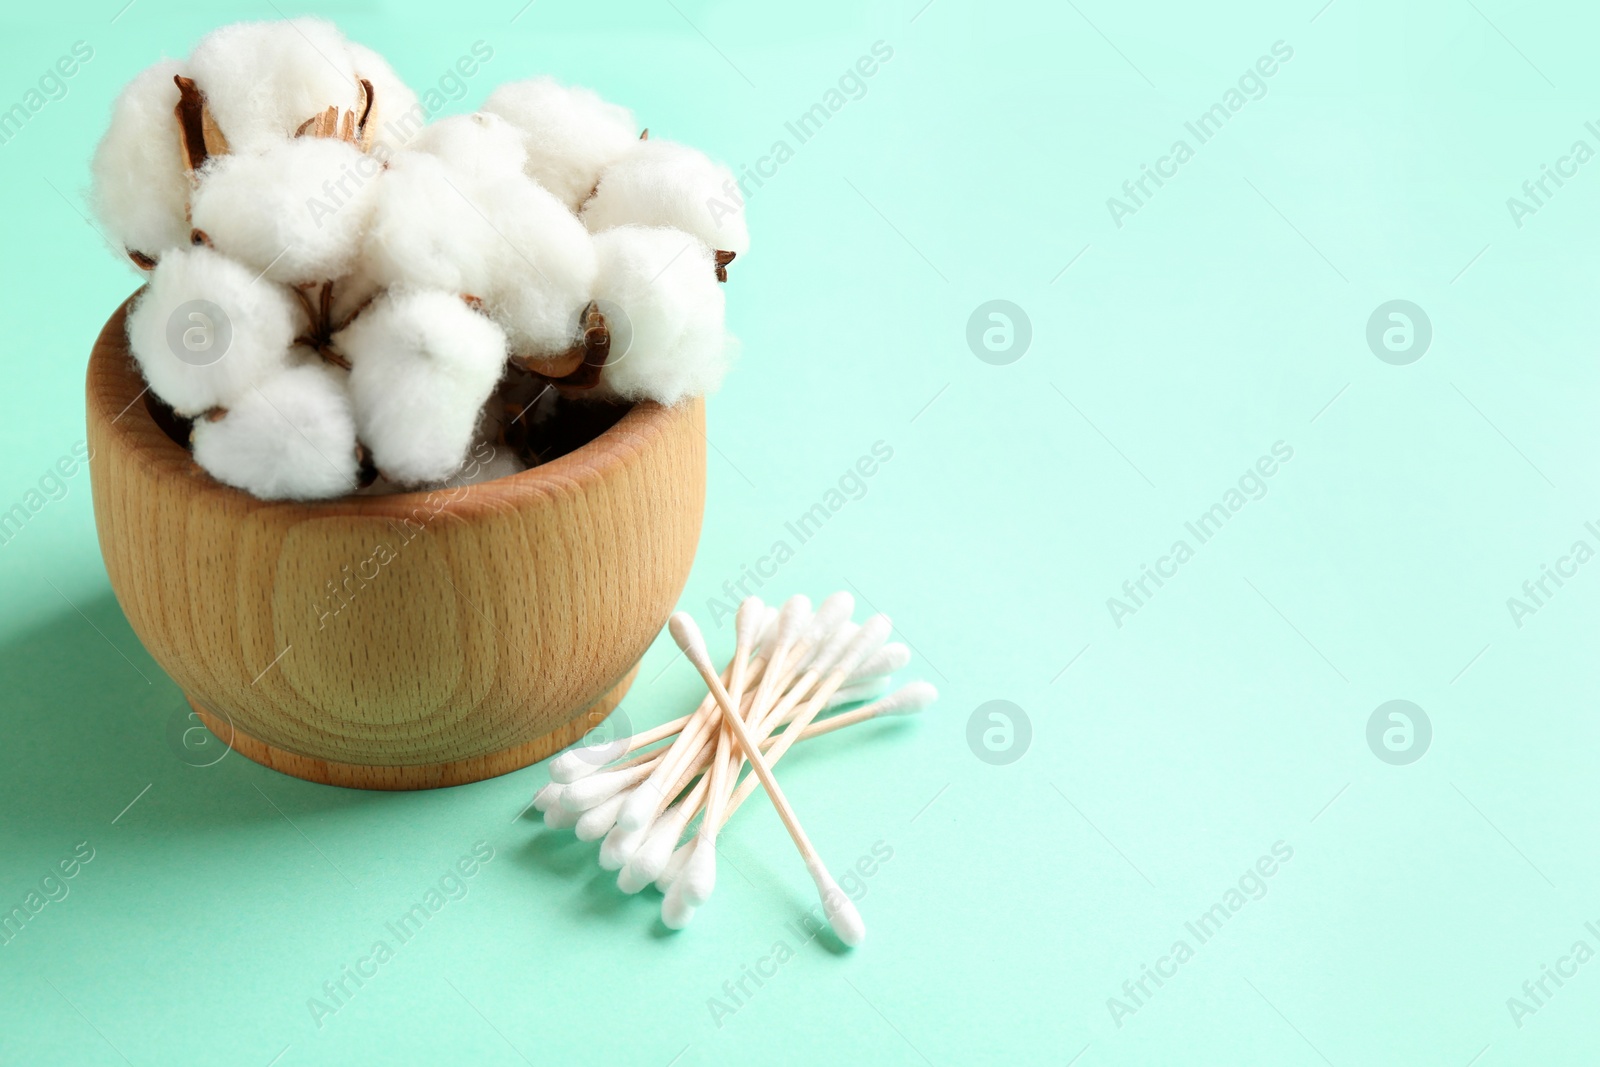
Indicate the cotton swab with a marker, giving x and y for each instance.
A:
(547, 796)
(595, 789)
(886, 660)
(866, 642)
(650, 798)
(581, 762)
(839, 909)
(595, 823)
(855, 692)
(646, 863)
(907, 700)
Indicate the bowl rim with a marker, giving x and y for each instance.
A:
(115, 387)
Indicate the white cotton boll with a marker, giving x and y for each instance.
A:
(292, 437)
(395, 113)
(659, 183)
(665, 285)
(296, 211)
(262, 80)
(140, 182)
(479, 147)
(426, 232)
(571, 135)
(421, 366)
(487, 231)
(206, 329)
(546, 267)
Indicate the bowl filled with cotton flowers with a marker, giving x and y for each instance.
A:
(398, 453)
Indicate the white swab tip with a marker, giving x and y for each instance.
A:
(582, 762)
(637, 809)
(847, 924)
(598, 820)
(629, 879)
(699, 875)
(676, 912)
(558, 818)
(674, 867)
(546, 798)
(909, 699)
(747, 625)
(619, 846)
(687, 635)
(839, 908)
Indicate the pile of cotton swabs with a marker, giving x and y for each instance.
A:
(642, 793)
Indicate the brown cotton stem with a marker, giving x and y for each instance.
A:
(723, 259)
(578, 368)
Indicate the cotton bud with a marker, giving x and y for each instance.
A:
(140, 183)
(290, 437)
(571, 135)
(669, 343)
(296, 211)
(206, 329)
(422, 363)
(659, 183)
(262, 80)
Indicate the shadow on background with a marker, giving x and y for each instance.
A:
(89, 721)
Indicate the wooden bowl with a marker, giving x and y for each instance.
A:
(396, 642)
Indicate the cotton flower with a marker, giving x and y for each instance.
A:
(659, 286)
(262, 80)
(571, 135)
(421, 366)
(206, 329)
(140, 182)
(481, 227)
(659, 183)
(296, 211)
(290, 437)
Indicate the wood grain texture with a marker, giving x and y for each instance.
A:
(405, 641)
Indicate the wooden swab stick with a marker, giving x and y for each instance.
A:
(650, 798)
(907, 700)
(872, 635)
(582, 762)
(840, 910)
(701, 877)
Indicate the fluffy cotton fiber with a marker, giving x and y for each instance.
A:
(262, 80)
(422, 364)
(659, 183)
(140, 183)
(296, 211)
(665, 284)
(571, 135)
(197, 358)
(479, 147)
(290, 437)
(457, 213)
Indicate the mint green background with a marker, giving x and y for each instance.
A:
(1228, 714)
